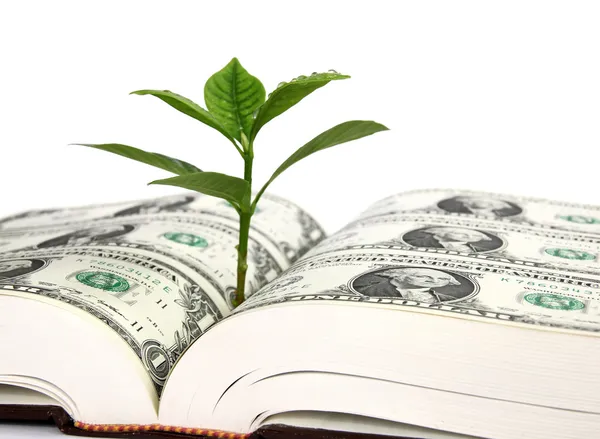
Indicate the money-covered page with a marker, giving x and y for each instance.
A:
(204, 229)
(505, 208)
(155, 303)
(207, 240)
(158, 278)
(504, 292)
(291, 227)
(470, 236)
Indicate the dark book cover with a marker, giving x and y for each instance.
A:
(58, 416)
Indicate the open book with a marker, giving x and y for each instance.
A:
(433, 314)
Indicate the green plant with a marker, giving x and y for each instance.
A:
(238, 108)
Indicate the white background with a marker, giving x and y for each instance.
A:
(499, 96)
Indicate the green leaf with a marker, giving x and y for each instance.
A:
(232, 95)
(288, 94)
(233, 189)
(188, 107)
(344, 132)
(150, 158)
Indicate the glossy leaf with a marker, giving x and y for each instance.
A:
(288, 94)
(342, 133)
(233, 189)
(232, 95)
(161, 161)
(188, 107)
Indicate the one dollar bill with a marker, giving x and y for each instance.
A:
(469, 236)
(505, 208)
(476, 289)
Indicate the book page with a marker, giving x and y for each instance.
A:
(472, 255)
(158, 272)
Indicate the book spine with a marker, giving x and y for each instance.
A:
(126, 428)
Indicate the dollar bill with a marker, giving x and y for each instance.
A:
(498, 291)
(470, 236)
(504, 208)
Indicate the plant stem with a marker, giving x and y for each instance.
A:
(242, 266)
(245, 216)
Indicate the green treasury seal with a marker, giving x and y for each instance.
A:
(103, 281)
(567, 253)
(187, 239)
(554, 301)
(580, 219)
